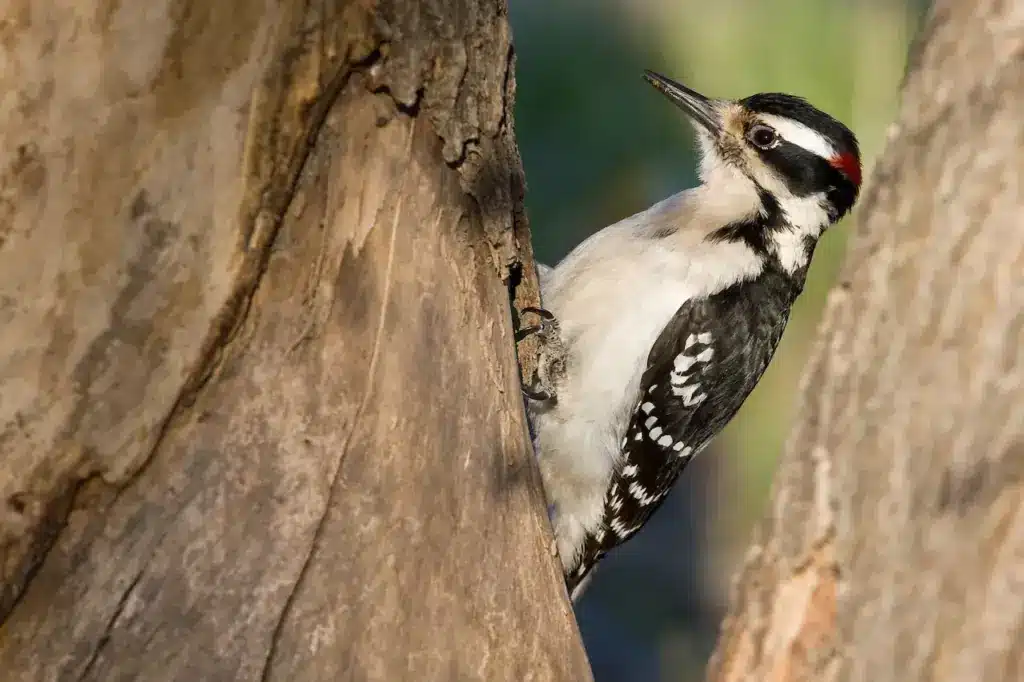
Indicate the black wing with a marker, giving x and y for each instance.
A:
(699, 371)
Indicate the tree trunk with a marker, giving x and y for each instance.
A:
(894, 545)
(260, 410)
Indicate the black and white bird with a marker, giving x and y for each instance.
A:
(658, 327)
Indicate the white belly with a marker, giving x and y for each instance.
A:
(609, 346)
(610, 325)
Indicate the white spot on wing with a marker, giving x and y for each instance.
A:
(651, 421)
(629, 471)
(641, 496)
(678, 379)
(665, 441)
(655, 432)
(704, 338)
(705, 354)
(622, 530)
(687, 394)
(683, 362)
(647, 407)
(690, 340)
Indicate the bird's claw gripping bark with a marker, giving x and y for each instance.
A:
(547, 322)
(550, 360)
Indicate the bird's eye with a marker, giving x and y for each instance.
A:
(763, 136)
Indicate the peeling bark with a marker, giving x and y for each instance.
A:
(893, 548)
(260, 414)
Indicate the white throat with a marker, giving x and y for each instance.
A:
(727, 194)
(806, 218)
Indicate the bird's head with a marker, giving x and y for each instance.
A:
(803, 164)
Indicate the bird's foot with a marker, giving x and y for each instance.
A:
(547, 324)
(550, 359)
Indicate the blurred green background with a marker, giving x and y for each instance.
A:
(598, 145)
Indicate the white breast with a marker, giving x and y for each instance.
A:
(610, 323)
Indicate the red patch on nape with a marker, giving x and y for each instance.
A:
(849, 165)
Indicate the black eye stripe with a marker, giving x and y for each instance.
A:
(804, 172)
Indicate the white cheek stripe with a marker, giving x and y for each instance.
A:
(800, 135)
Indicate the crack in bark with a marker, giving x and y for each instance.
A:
(229, 321)
(226, 323)
(104, 639)
(47, 540)
(336, 475)
(471, 141)
(412, 109)
(506, 82)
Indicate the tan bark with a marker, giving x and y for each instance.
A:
(260, 416)
(893, 548)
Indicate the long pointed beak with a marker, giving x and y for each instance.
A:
(698, 107)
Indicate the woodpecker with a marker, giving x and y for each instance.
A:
(656, 329)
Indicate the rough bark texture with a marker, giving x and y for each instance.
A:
(894, 545)
(260, 415)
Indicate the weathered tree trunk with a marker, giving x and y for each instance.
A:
(893, 549)
(260, 414)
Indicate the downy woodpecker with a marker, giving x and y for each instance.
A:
(657, 328)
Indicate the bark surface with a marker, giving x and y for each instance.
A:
(260, 414)
(893, 549)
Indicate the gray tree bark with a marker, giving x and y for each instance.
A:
(260, 414)
(893, 549)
